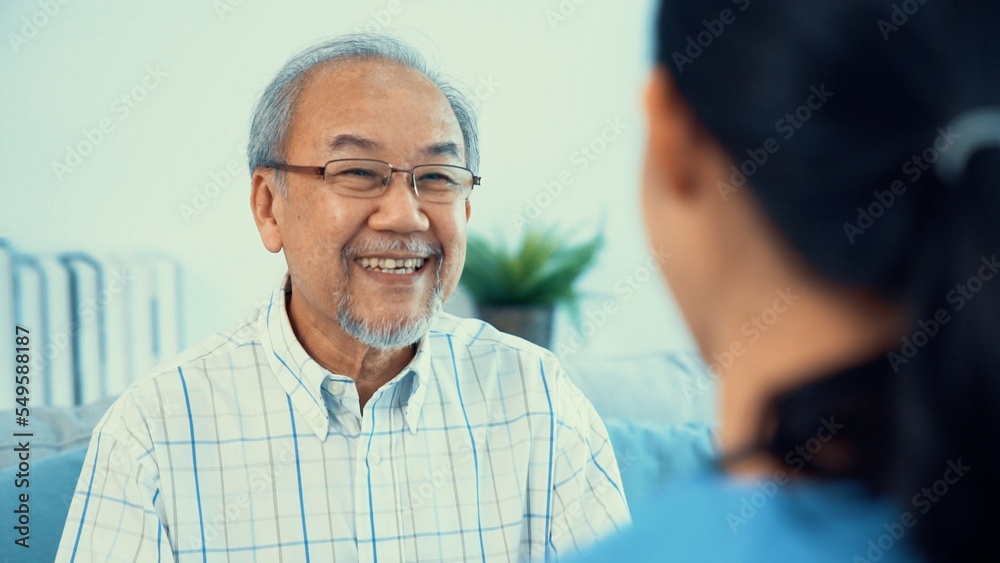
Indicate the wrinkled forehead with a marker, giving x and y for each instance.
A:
(372, 99)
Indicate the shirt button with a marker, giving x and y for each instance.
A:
(374, 458)
(336, 387)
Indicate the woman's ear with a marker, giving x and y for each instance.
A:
(679, 150)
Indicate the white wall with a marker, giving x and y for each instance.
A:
(549, 76)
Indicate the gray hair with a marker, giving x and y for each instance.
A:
(273, 113)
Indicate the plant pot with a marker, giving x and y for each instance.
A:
(530, 322)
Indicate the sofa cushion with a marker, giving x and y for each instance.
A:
(649, 455)
(50, 490)
(663, 388)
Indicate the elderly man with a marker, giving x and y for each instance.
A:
(353, 420)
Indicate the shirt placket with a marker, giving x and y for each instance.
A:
(379, 515)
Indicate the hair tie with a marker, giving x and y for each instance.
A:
(975, 129)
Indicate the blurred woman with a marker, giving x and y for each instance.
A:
(826, 176)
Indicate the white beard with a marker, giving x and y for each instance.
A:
(387, 335)
(396, 333)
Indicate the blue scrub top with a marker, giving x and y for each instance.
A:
(716, 517)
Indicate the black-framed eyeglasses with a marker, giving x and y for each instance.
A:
(368, 178)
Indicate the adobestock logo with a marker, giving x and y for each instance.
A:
(122, 106)
(958, 297)
(225, 7)
(752, 503)
(220, 180)
(922, 502)
(33, 24)
(900, 15)
(583, 157)
(913, 169)
(697, 43)
(753, 329)
(786, 126)
(566, 9)
(381, 19)
(595, 318)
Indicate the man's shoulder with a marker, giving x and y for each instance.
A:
(218, 349)
(160, 390)
(474, 333)
(497, 354)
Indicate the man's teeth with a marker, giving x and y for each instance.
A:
(392, 266)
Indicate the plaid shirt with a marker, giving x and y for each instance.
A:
(246, 449)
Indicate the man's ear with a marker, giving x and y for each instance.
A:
(468, 210)
(267, 205)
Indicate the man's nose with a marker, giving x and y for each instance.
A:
(398, 209)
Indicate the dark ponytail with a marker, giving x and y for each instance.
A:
(856, 187)
(947, 396)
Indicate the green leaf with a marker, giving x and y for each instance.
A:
(540, 270)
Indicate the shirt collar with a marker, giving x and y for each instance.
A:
(303, 378)
(420, 365)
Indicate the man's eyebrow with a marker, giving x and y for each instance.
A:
(363, 143)
(369, 145)
(447, 149)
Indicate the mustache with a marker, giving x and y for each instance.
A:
(374, 245)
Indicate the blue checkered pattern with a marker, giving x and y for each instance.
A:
(245, 449)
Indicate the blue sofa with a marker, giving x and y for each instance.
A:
(658, 409)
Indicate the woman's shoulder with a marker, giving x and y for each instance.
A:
(714, 517)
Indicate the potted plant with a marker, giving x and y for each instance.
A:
(517, 289)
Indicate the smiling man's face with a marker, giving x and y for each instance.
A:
(379, 267)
